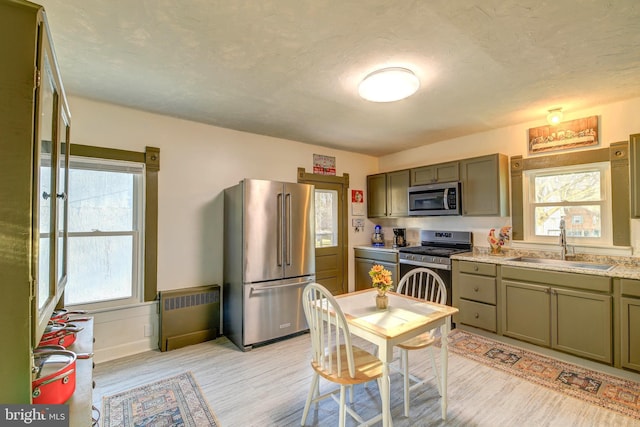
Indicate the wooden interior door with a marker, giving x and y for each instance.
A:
(331, 229)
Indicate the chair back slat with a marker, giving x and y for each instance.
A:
(330, 337)
(425, 284)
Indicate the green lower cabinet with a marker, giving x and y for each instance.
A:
(526, 313)
(582, 324)
(630, 330)
(367, 258)
(569, 320)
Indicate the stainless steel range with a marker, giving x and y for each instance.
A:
(434, 252)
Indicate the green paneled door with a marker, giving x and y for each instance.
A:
(526, 312)
(582, 324)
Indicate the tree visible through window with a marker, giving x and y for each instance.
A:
(578, 195)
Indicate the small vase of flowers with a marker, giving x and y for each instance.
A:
(381, 280)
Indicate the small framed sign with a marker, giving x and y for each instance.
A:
(357, 202)
(324, 165)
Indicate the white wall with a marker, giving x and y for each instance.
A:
(197, 162)
(617, 121)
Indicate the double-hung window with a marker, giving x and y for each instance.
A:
(106, 232)
(578, 194)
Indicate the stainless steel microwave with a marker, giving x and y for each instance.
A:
(435, 199)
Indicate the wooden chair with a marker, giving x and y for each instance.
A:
(334, 358)
(425, 284)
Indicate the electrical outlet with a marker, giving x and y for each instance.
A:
(357, 222)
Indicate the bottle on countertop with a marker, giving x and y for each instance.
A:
(378, 237)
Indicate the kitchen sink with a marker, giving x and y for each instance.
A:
(565, 263)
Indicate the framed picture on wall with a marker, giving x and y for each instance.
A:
(564, 136)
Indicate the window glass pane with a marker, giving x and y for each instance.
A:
(326, 218)
(580, 221)
(568, 187)
(101, 268)
(105, 220)
(100, 200)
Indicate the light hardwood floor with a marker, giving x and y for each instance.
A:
(268, 387)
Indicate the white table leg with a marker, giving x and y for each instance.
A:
(444, 360)
(386, 354)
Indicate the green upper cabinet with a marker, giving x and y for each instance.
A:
(443, 172)
(397, 193)
(634, 160)
(377, 195)
(485, 185)
(387, 194)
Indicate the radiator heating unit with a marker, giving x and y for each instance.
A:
(189, 316)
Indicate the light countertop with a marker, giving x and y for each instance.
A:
(388, 247)
(624, 267)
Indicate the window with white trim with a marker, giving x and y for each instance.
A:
(106, 230)
(580, 194)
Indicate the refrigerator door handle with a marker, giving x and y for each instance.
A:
(287, 250)
(279, 227)
(267, 288)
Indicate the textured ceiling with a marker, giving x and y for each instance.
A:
(290, 68)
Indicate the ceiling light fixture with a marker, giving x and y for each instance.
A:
(555, 116)
(388, 85)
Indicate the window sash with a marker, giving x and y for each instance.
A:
(136, 232)
(604, 203)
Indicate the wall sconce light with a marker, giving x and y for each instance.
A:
(388, 85)
(555, 116)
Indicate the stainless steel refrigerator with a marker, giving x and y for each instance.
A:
(269, 257)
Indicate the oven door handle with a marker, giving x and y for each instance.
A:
(426, 264)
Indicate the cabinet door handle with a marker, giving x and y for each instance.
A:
(476, 289)
(62, 196)
(476, 315)
(45, 195)
(475, 268)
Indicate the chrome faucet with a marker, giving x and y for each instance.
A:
(563, 239)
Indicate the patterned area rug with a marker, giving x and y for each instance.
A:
(607, 391)
(175, 401)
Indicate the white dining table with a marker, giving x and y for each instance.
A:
(405, 318)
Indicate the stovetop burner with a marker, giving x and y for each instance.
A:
(437, 247)
(433, 250)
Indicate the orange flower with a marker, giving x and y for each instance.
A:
(381, 278)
